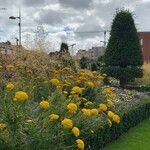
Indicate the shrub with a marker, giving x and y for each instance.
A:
(123, 57)
(131, 116)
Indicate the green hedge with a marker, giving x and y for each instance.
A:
(139, 88)
(129, 118)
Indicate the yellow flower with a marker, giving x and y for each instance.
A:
(80, 144)
(108, 90)
(53, 117)
(44, 104)
(88, 103)
(29, 121)
(76, 131)
(100, 77)
(66, 69)
(110, 114)
(21, 96)
(90, 84)
(109, 102)
(65, 92)
(103, 107)
(1, 67)
(77, 90)
(67, 123)
(94, 112)
(10, 67)
(109, 122)
(2, 125)
(116, 118)
(86, 112)
(10, 86)
(55, 82)
(72, 107)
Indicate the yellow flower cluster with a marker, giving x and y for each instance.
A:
(67, 123)
(113, 117)
(2, 125)
(72, 107)
(10, 86)
(80, 144)
(44, 104)
(21, 96)
(53, 117)
(76, 131)
(116, 118)
(76, 90)
(90, 84)
(103, 107)
(10, 67)
(55, 82)
(109, 102)
(94, 112)
(86, 112)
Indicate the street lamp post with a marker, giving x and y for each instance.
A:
(19, 25)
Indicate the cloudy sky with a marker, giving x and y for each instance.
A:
(68, 21)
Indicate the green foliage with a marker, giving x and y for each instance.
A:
(84, 63)
(94, 66)
(64, 47)
(123, 51)
(130, 118)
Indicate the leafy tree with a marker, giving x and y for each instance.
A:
(84, 62)
(123, 57)
(64, 47)
(94, 66)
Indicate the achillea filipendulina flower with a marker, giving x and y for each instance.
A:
(109, 102)
(21, 96)
(116, 118)
(2, 125)
(67, 123)
(11, 67)
(1, 67)
(108, 90)
(44, 104)
(103, 107)
(94, 112)
(66, 69)
(65, 92)
(76, 131)
(88, 103)
(86, 112)
(90, 84)
(29, 121)
(53, 117)
(10, 86)
(110, 114)
(72, 107)
(55, 82)
(77, 90)
(109, 122)
(80, 144)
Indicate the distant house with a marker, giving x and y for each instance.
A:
(145, 43)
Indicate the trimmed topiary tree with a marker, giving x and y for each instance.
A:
(123, 57)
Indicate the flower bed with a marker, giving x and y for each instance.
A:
(65, 110)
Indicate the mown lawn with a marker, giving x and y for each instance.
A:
(138, 138)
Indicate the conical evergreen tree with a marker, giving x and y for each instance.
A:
(123, 56)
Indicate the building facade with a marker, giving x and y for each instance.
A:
(145, 44)
(91, 54)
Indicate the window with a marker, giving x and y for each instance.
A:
(141, 42)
